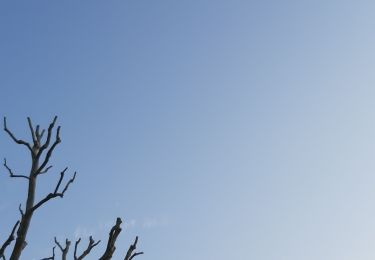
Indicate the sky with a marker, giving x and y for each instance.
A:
(214, 129)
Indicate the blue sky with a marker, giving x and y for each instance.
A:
(215, 129)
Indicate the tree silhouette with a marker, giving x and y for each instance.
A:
(41, 149)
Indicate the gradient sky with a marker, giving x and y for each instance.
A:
(215, 129)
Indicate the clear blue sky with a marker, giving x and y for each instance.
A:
(215, 129)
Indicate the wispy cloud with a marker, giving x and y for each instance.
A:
(83, 232)
(155, 222)
(104, 226)
(131, 223)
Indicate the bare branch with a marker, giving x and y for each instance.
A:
(50, 150)
(32, 131)
(130, 255)
(41, 135)
(58, 244)
(21, 211)
(90, 246)
(49, 134)
(64, 250)
(11, 174)
(56, 193)
(37, 132)
(60, 180)
(51, 257)
(18, 141)
(113, 234)
(46, 170)
(135, 254)
(9, 240)
(76, 247)
(68, 184)
(38, 135)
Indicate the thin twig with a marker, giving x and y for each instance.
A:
(11, 174)
(51, 257)
(33, 136)
(18, 141)
(20, 210)
(50, 150)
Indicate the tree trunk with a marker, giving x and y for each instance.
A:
(26, 218)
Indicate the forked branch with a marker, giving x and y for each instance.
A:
(56, 192)
(10, 171)
(18, 141)
(50, 150)
(131, 251)
(64, 250)
(90, 246)
(49, 134)
(9, 240)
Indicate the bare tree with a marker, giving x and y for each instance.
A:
(41, 150)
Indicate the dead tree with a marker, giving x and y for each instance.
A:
(41, 150)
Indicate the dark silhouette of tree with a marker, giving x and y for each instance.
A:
(41, 149)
